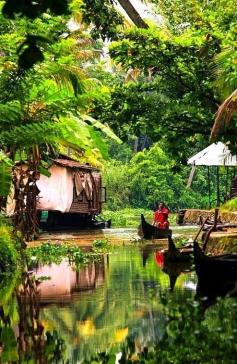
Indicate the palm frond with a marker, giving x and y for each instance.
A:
(224, 115)
(70, 77)
(102, 127)
(222, 71)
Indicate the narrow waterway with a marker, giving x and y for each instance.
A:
(102, 304)
(114, 235)
(60, 315)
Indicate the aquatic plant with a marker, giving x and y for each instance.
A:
(100, 245)
(48, 253)
(54, 253)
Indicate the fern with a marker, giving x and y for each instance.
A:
(70, 77)
(29, 134)
(10, 113)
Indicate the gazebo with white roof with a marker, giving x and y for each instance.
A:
(218, 155)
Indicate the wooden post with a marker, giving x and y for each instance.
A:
(217, 187)
(227, 184)
(215, 218)
(209, 186)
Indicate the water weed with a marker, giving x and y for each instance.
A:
(54, 253)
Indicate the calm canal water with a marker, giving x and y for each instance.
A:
(98, 307)
(70, 317)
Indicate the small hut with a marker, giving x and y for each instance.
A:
(72, 195)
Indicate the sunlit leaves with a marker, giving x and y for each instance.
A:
(6, 165)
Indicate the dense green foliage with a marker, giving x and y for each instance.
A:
(175, 75)
(151, 176)
(46, 103)
(126, 217)
(168, 82)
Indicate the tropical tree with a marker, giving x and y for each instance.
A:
(45, 105)
(175, 93)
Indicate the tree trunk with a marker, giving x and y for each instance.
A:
(133, 14)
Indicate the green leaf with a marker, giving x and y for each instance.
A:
(104, 128)
(44, 171)
(5, 174)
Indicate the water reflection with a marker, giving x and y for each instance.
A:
(103, 304)
(75, 315)
(65, 282)
(23, 336)
(172, 269)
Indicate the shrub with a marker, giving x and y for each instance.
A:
(8, 248)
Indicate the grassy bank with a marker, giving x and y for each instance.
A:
(230, 205)
(130, 218)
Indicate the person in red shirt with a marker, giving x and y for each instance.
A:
(161, 217)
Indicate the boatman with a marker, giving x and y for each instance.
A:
(161, 217)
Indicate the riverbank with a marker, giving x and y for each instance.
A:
(222, 242)
(192, 216)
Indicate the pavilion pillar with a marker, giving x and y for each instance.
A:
(218, 202)
(209, 186)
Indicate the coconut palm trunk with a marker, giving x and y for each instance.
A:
(133, 14)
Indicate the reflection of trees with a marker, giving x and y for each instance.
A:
(109, 302)
(23, 337)
(127, 304)
(34, 342)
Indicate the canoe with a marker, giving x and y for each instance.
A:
(148, 231)
(214, 268)
(173, 254)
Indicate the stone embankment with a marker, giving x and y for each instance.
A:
(219, 241)
(192, 216)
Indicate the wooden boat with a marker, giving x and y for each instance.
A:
(173, 254)
(215, 268)
(209, 290)
(148, 231)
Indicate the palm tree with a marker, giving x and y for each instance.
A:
(41, 113)
(224, 115)
(133, 14)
